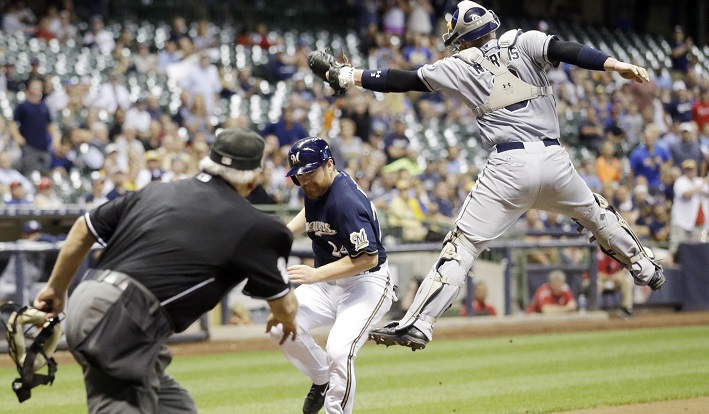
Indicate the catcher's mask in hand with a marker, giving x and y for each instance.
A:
(29, 359)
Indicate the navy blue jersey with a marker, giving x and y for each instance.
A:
(343, 222)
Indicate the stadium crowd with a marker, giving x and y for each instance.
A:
(141, 103)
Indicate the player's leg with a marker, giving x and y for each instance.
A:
(505, 189)
(565, 192)
(362, 306)
(315, 308)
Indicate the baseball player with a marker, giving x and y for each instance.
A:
(349, 287)
(172, 250)
(503, 81)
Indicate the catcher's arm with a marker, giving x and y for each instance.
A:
(341, 75)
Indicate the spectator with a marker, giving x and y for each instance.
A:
(18, 195)
(700, 109)
(98, 38)
(62, 162)
(396, 142)
(66, 31)
(204, 39)
(613, 277)
(143, 61)
(97, 196)
(687, 148)
(404, 216)
(203, 79)
(680, 53)
(608, 166)
(680, 107)
(590, 132)
(32, 127)
(587, 171)
(111, 95)
(168, 56)
(46, 197)
(689, 209)
(138, 118)
(120, 182)
(152, 172)
(287, 130)
(9, 175)
(553, 297)
(648, 158)
(659, 223)
(349, 145)
(480, 305)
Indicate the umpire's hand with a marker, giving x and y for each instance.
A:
(289, 328)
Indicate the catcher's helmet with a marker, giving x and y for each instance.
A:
(307, 155)
(470, 21)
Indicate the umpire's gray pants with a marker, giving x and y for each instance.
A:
(87, 307)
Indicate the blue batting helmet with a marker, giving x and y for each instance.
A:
(469, 22)
(307, 155)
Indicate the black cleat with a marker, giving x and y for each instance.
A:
(315, 399)
(410, 337)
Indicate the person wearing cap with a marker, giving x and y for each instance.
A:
(349, 287)
(172, 251)
(18, 195)
(152, 171)
(689, 208)
(46, 197)
(687, 147)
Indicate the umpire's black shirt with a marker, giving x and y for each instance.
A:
(190, 241)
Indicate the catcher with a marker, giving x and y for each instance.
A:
(504, 82)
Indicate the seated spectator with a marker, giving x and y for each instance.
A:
(613, 277)
(648, 158)
(168, 56)
(138, 118)
(178, 169)
(587, 171)
(403, 216)
(687, 148)
(554, 297)
(120, 183)
(480, 306)
(61, 158)
(659, 224)
(46, 197)
(18, 195)
(608, 167)
(9, 175)
(152, 171)
(97, 196)
(396, 142)
(287, 129)
(98, 38)
(590, 132)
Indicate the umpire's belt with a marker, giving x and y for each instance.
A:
(122, 281)
(506, 146)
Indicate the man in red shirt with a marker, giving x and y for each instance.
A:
(480, 306)
(700, 109)
(553, 297)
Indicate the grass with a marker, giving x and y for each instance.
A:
(520, 374)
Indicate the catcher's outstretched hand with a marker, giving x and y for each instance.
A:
(338, 75)
(627, 70)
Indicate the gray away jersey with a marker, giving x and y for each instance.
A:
(530, 120)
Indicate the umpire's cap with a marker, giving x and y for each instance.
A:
(238, 148)
(307, 155)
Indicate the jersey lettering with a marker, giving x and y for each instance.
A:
(494, 59)
(337, 252)
(359, 239)
(319, 228)
(514, 54)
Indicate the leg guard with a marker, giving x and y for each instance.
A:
(618, 240)
(442, 284)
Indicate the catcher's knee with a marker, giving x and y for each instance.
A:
(443, 282)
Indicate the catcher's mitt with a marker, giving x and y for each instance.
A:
(325, 66)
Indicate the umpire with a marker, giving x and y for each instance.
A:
(172, 250)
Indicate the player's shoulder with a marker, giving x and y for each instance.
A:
(530, 37)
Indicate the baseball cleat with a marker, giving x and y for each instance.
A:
(315, 400)
(410, 337)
